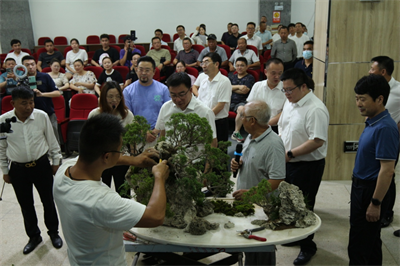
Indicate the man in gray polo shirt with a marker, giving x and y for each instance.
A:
(213, 48)
(263, 158)
(285, 49)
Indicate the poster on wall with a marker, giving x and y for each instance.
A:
(276, 17)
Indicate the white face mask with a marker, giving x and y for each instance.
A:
(307, 54)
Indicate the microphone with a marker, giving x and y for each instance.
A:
(238, 153)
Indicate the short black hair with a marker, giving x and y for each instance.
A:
(384, 62)
(179, 27)
(274, 60)
(136, 53)
(152, 39)
(215, 57)
(251, 23)
(47, 41)
(263, 22)
(147, 59)
(54, 60)
(299, 23)
(374, 86)
(241, 59)
(79, 60)
(298, 76)
(187, 39)
(104, 35)
(9, 59)
(291, 25)
(158, 30)
(100, 134)
(74, 39)
(284, 27)
(230, 23)
(242, 38)
(309, 42)
(27, 57)
(177, 79)
(21, 92)
(14, 41)
(234, 24)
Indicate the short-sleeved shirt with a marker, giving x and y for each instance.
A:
(232, 40)
(45, 84)
(302, 65)
(249, 54)
(255, 41)
(158, 55)
(188, 58)
(132, 75)
(213, 92)
(95, 235)
(263, 158)
(112, 53)
(146, 101)
(305, 120)
(126, 121)
(113, 76)
(178, 43)
(8, 90)
(46, 58)
(219, 50)
(247, 80)
(300, 43)
(88, 77)
(287, 51)
(378, 142)
(17, 58)
(200, 78)
(265, 37)
(128, 61)
(225, 37)
(72, 57)
(393, 102)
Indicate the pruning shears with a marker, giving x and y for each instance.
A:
(248, 233)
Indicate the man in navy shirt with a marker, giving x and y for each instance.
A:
(378, 149)
(307, 63)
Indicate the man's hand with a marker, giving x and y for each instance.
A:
(128, 82)
(7, 179)
(128, 236)
(146, 158)
(11, 75)
(373, 213)
(160, 66)
(55, 168)
(235, 166)
(238, 194)
(287, 157)
(38, 93)
(161, 170)
(150, 137)
(243, 89)
(231, 68)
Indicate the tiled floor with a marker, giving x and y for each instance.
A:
(332, 206)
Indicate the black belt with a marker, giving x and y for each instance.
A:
(32, 163)
(358, 181)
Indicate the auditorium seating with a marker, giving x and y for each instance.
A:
(60, 40)
(42, 39)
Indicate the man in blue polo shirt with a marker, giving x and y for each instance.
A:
(46, 89)
(373, 171)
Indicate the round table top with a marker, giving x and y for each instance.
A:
(227, 238)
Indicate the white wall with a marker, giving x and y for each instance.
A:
(78, 19)
(304, 11)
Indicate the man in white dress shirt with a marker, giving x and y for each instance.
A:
(253, 39)
(178, 43)
(28, 148)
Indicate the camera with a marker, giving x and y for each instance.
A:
(6, 126)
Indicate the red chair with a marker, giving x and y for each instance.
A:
(81, 105)
(252, 47)
(62, 121)
(231, 115)
(192, 71)
(26, 50)
(69, 48)
(48, 69)
(90, 55)
(198, 47)
(2, 57)
(121, 38)
(96, 70)
(165, 47)
(92, 39)
(6, 104)
(112, 38)
(191, 34)
(42, 39)
(253, 73)
(223, 72)
(43, 50)
(157, 76)
(244, 33)
(227, 49)
(60, 40)
(36, 56)
(166, 37)
(176, 36)
(116, 47)
(141, 48)
(267, 55)
(123, 70)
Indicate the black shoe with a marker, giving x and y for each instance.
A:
(32, 244)
(397, 233)
(303, 257)
(386, 221)
(56, 240)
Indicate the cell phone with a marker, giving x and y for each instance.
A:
(133, 35)
(9, 70)
(32, 82)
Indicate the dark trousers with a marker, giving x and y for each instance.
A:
(260, 258)
(307, 176)
(365, 244)
(392, 191)
(222, 126)
(41, 176)
(118, 173)
(288, 65)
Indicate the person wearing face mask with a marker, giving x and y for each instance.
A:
(307, 63)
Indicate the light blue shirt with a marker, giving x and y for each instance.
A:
(266, 36)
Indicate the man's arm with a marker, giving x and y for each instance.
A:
(274, 120)
(306, 148)
(218, 107)
(39, 66)
(51, 94)
(224, 63)
(122, 59)
(255, 64)
(231, 67)
(94, 63)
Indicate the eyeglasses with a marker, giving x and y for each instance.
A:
(118, 98)
(142, 70)
(205, 63)
(181, 95)
(289, 91)
(242, 116)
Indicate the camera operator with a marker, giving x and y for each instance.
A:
(8, 80)
(126, 54)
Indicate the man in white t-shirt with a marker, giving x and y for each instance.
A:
(17, 54)
(299, 38)
(93, 217)
(253, 39)
(178, 43)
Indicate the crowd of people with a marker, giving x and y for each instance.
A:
(286, 123)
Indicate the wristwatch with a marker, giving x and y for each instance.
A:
(376, 202)
(290, 154)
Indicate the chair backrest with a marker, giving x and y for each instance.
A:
(192, 71)
(252, 47)
(59, 107)
(157, 75)
(223, 72)
(42, 39)
(26, 50)
(6, 104)
(96, 70)
(255, 74)
(60, 40)
(90, 55)
(123, 70)
(198, 47)
(227, 49)
(48, 69)
(166, 47)
(43, 50)
(141, 48)
(166, 37)
(92, 39)
(121, 38)
(267, 55)
(81, 105)
(116, 47)
(2, 57)
(69, 48)
(244, 33)
(176, 36)
(112, 38)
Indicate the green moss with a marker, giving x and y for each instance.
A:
(221, 206)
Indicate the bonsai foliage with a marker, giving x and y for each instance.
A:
(135, 135)
(221, 206)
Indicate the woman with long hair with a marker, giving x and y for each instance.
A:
(200, 35)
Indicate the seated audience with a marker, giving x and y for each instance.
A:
(83, 80)
(200, 35)
(181, 67)
(253, 60)
(188, 54)
(307, 63)
(46, 57)
(60, 79)
(195, 87)
(178, 43)
(126, 53)
(226, 35)
(161, 56)
(234, 37)
(105, 51)
(253, 39)
(72, 56)
(132, 75)
(213, 48)
(8, 80)
(17, 54)
(158, 33)
(108, 74)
